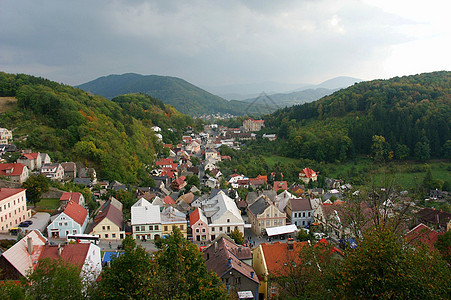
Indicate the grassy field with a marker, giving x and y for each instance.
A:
(48, 204)
(7, 104)
(272, 160)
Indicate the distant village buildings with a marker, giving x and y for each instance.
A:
(251, 125)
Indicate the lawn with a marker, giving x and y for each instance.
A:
(48, 204)
(7, 104)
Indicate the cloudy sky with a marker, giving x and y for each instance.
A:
(214, 43)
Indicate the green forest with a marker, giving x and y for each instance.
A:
(184, 96)
(115, 137)
(400, 118)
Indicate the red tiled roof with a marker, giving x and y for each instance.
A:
(16, 169)
(7, 192)
(280, 185)
(167, 146)
(110, 212)
(277, 255)
(164, 161)
(422, 234)
(168, 200)
(76, 212)
(264, 177)
(194, 216)
(307, 172)
(74, 196)
(31, 156)
(71, 253)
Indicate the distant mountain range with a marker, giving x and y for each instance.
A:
(184, 96)
(251, 91)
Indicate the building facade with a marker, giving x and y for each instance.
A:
(13, 208)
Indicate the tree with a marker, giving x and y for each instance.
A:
(422, 150)
(443, 245)
(237, 236)
(384, 267)
(302, 235)
(195, 160)
(379, 149)
(36, 186)
(181, 271)
(130, 275)
(401, 151)
(56, 279)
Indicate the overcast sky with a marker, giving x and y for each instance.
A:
(213, 43)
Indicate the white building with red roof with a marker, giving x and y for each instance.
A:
(253, 125)
(72, 220)
(16, 172)
(35, 160)
(308, 174)
(72, 196)
(23, 257)
(13, 208)
(199, 225)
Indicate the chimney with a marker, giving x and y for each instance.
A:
(290, 244)
(229, 263)
(30, 245)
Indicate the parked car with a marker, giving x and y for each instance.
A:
(23, 224)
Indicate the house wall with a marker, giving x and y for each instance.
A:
(168, 227)
(93, 263)
(271, 217)
(200, 231)
(259, 265)
(238, 282)
(147, 231)
(64, 225)
(225, 224)
(13, 210)
(108, 230)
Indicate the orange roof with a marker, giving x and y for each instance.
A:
(164, 161)
(280, 185)
(264, 177)
(76, 212)
(31, 156)
(277, 255)
(307, 172)
(15, 169)
(74, 196)
(168, 200)
(194, 216)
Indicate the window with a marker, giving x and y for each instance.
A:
(150, 227)
(309, 214)
(156, 227)
(228, 229)
(113, 235)
(303, 223)
(181, 227)
(106, 235)
(213, 229)
(228, 220)
(197, 230)
(303, 214)
(143, 228)
(275, 214)
(268, 222)
(165, 228)
(203, 229)
(108, 227)
(103, 227)
(220, 228)
(238, 280)
(65, 223)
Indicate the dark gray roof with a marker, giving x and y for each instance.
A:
(259, 205)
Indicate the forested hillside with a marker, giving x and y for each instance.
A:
(399, 118)
(115, 137)
(184, 96)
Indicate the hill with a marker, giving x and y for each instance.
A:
(115, 136)
(411, 117)
(184, 96)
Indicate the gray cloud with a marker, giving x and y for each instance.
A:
(204, 42)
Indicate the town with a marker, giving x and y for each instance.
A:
(244, 238)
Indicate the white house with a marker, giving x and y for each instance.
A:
(145, 220)
(5, 136)
(222, 214)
